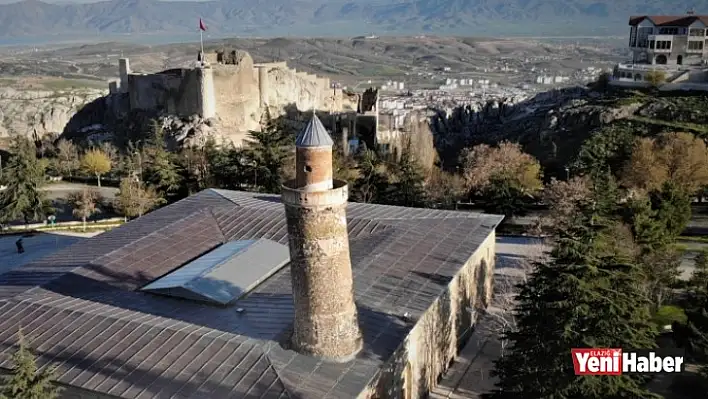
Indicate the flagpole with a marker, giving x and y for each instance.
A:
(201, 43)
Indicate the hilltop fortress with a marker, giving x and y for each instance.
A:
(227, 86)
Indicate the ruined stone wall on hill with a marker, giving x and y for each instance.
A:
(174, 92)
(236, 96)
(237, 99)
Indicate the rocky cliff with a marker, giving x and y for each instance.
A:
(553, 126)
(40, 112)
(525, 119)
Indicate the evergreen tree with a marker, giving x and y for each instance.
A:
(408, 189)
(698, 283)
(162, 172)
(370, 186)
(26, 381)
(649, 232)
(585, 296)
(229, 167)
(696, 331)
(24, 177)
(656, 222)
(267, 152)
(504, 196)
(673, 208)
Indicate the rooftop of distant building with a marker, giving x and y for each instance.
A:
(669, 20)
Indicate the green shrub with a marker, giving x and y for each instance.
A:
(668, 314)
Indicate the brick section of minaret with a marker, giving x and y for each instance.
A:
(313, 165)
(326, 323)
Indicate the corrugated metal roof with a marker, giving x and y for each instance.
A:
(314, 135)
(82, 311)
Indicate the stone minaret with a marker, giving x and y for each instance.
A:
(326, 322)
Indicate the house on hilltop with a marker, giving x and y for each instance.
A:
(664, 40)
(676, 46)
(230, 294)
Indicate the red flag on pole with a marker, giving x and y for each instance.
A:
(201, 25)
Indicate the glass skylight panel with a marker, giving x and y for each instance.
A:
(225, 273)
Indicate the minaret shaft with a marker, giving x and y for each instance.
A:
(326, 319)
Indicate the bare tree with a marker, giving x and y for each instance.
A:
(135, 199)
(84, 204)
(417, 138)
(655, 78)
(111, 152)
(562, 199)
(501, 315)
(67, 159)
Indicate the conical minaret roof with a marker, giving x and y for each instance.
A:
(314, 135)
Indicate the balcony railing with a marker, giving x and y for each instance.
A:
(695, 40)
(662, 37)
(648, 67)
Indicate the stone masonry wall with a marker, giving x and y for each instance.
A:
(237, 96)
(236, 93)
(316, 163)
(326, 324)
(175, 92)
(435, 340)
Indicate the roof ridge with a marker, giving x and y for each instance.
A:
(266, 353)
(219, 192)
(156, 232)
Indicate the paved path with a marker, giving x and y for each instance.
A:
(36, 247)
(469, 377)
(60, 190)
(57, 193)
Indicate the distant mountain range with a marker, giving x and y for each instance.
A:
(330, 17)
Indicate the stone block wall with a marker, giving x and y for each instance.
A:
(287, 87)
(234, 92)
(237, 94)
(436, 339)
(325, 324)
(175, 91)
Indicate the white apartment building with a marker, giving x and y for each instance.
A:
(669, 40)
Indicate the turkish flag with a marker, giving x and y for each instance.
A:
(201, 25)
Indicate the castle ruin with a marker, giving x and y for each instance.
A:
(233, 89)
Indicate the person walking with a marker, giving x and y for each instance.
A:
(20, 247)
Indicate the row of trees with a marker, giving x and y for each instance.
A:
(150, 174)
(502, 179)
(24, 197)
(612, 270)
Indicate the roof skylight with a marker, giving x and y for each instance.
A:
(224, 274)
